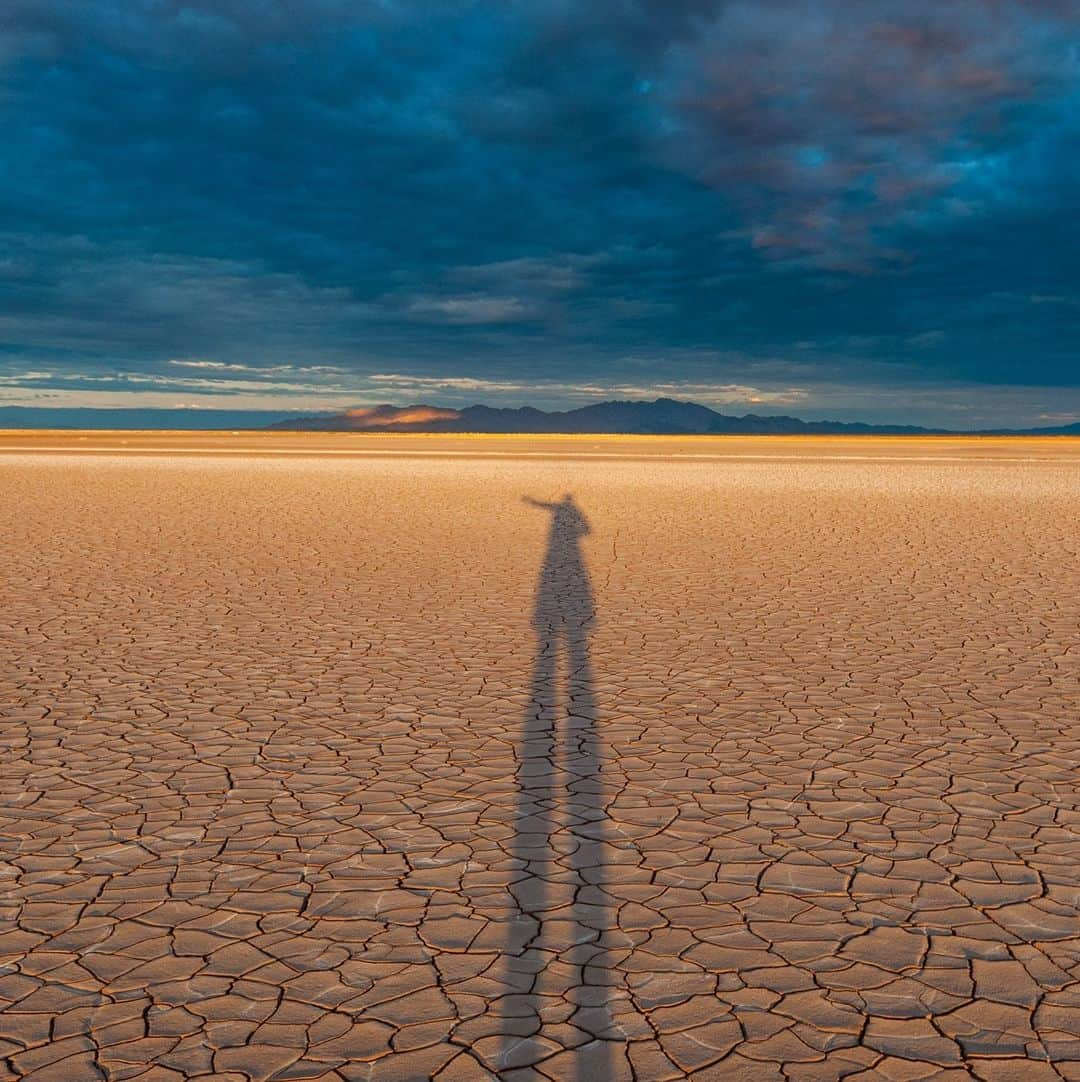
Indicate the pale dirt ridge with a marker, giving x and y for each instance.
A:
(764, 766)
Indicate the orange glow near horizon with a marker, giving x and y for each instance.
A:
(373, 418)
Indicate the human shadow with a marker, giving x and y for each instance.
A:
(554, 949)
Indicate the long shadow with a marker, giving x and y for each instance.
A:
(560, 827)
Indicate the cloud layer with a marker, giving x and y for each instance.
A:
(828, 206)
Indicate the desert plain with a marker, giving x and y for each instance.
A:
(359, 757)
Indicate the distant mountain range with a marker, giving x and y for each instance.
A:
(663, 416)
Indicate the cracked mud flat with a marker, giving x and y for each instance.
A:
(332, 758)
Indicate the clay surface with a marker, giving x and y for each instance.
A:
(379, 758)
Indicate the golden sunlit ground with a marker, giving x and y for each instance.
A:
(335, 756)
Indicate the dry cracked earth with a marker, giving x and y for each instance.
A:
(370, 758)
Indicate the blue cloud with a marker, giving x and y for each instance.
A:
(825, 196)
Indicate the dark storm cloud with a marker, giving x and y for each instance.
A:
(818, 200)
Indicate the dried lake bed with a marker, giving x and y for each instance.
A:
(404, 757)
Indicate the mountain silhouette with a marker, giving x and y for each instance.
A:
(662, 416)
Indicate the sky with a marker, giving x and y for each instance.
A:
(830, 209)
